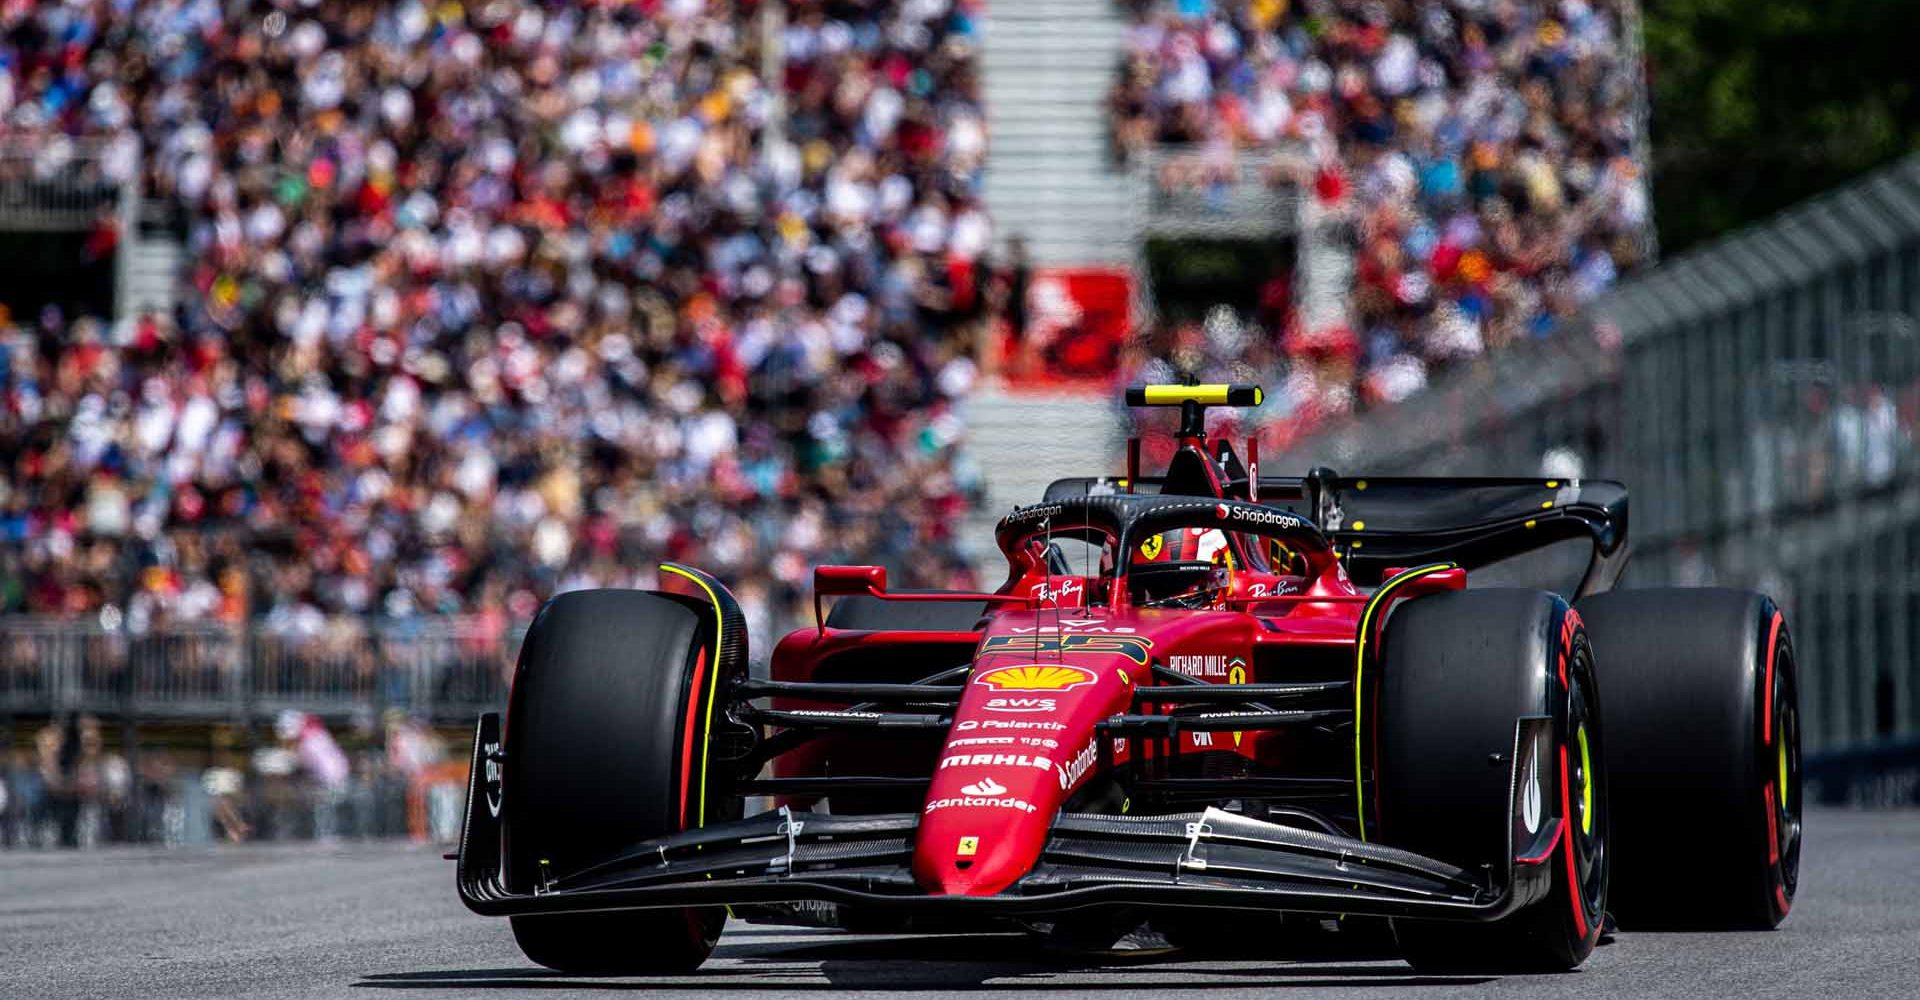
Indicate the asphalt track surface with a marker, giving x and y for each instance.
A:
(372, 920)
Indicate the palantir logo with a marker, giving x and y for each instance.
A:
(985, 788)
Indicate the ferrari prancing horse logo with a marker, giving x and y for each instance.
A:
(1152, 547)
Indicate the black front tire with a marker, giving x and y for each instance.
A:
(1457, 673)
(1704, 754)
(605, 712)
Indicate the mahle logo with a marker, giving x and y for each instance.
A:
(1036, 677)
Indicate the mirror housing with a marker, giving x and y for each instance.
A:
(847, 581)
(844, 581)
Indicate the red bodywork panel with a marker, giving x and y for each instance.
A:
(1056, 656)
(1024, 735)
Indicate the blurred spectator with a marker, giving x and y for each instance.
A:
(1481, 154)
(223, 786)
(322, 764)
(78, 789)
(491, 301)
(412, 746)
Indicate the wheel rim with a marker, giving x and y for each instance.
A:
(1590, 805)
(1785, 783)
(1586, 786)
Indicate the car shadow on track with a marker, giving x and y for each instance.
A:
(947, 963)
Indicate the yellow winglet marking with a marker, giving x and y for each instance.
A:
(1374, 603)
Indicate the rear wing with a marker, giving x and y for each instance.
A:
(1381, 522)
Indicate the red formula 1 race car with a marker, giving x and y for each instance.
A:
(1198, 693)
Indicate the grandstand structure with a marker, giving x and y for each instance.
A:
(1761, 397)
(338, 337)
(1056, 185)
(299, 310)
(323, 363)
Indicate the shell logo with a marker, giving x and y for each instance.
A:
(1036, 677)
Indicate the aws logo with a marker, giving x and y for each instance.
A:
(1035, 677)
(1132, 647)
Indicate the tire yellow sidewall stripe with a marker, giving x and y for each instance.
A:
(713, 682)
(1781, 741)
(1374, 604)
(1586, 781)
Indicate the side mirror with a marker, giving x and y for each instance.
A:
(846, 581)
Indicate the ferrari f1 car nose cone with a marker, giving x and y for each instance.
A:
(1023, 739)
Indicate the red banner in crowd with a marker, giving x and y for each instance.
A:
(1075, 321)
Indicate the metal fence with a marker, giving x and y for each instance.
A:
(62, 183)
(1219, 193)
(1761, 397)
(444, 669)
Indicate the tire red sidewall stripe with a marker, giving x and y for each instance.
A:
(1774, 873)
(1773, 828)
(1766, 692)
(1576, 892)
(693, 724)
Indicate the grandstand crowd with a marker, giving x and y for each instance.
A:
(1483, 151)
(491, 300)
(487, 300)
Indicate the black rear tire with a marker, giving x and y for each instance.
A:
(606, 707)
(1704, 754)
(1457, 672)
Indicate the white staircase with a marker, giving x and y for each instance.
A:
(152, 276)
(1047, 66)
(1326, 265)
(1025, 439)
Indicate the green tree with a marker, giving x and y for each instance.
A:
(1757, 104)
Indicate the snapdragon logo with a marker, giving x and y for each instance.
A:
(1034, 513)
(1257, 515)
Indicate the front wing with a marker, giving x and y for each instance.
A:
(1208, 859)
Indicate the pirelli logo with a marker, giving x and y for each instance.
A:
(1133, 647)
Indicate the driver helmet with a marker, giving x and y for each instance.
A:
(1183, 545)
(1187, 545)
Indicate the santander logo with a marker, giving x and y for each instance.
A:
(984, 788)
